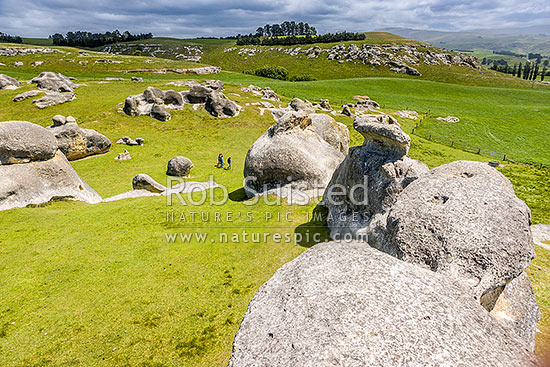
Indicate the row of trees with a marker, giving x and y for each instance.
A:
(10, 39)
(300, 40)
(527, 71)
(88, 39)
(286, 29)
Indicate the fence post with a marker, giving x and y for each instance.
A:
(504, 157)
(452, 143)
(478, 150)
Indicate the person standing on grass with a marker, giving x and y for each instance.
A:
(228, 162)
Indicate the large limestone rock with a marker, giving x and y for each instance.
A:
(515, 305)
(462, 219)
(179, 166)
(154, 102)
(299, 149)
(76, 142)
(7, 82)
(23, 142)
(372, 176)
(33, 170)
(54, 82)
(218, 105)
(26, 95)
(347, 304)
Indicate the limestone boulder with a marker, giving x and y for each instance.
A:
(54, 82)
(298, 149)
(76, 142)
(26, 95)
(179, 166)
(145, 182)
(54, 99)
(464, 220)
(7, 82)
(347, 304)
(372, 175)
(218, 105)
(24, 142)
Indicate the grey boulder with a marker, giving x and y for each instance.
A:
(53, 99)
(464, 220)
(268, 93)
(76, 142)
(373, 175)
(24, 142)
(154, 102)
(26, 95)
(54, 82)
(145, 182)
(299, 149)
(301, 106)
(179, 166)
(347, 304)
(218, 105)
(7, 82)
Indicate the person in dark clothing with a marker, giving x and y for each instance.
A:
(228, 163)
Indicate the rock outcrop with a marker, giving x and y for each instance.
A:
(54, 82)
(449, 119)
(124, 156)
(33, 170)
(76, 142)
(299, 149)
(179, 166)
(26, 95)
(347, 304)
(373, 174)
(462, 219)
(53, 99)
(7, 82)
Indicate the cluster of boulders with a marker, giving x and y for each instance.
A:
(126, 140)
(58, 89)
(19, 51)
(187, 53)
(76, 142)
(399, 58)
(428, 267)
(34, 170)
(155, 102)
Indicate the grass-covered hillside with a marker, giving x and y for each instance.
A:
(248, 58)
(100, 285)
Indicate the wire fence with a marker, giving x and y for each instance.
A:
(476, 149)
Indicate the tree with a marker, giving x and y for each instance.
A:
(515, 70)
(543, 74)
(519, 70)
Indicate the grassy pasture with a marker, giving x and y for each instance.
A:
(100, 284)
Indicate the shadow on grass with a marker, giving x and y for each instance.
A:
(238, 195)
(315, 231)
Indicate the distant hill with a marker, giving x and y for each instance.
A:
(519, 43)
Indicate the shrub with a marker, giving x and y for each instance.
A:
(301, 78)
(272, 71)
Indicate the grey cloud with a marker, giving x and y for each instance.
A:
(39, 18)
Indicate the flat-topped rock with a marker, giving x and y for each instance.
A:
(55, 82)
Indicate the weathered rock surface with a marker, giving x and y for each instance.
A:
(301, 106)
(145, 182)
(33, 170)
(299, 149)
(346, 111)
(76, 142)
(126, 140)
(154, 102)
(53, 99)
(464, 220)
(26, 95)
(516, 307)
(268, 93)
(24, 142)
(346, 304)
(541, 232)
(179, 166)
(218, 105)
(7, 82)
(54, 82)
(373, 175)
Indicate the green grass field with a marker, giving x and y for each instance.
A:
(100, 284)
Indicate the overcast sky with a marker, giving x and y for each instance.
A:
(191, 18)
